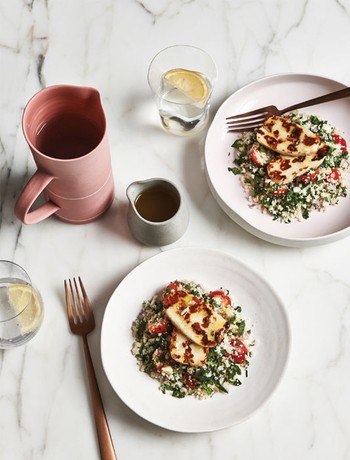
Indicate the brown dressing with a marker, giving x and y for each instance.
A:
(158, 203)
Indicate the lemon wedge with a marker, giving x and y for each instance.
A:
(26, 303)
(189, 82)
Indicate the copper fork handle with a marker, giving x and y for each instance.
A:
(340, 94)
(104, 436)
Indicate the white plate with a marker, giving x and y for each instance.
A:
(282, 91)
(213, 270)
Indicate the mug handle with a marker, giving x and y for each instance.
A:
(36, 184)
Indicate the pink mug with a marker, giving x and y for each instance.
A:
(65, 127)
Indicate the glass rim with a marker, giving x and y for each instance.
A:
(28, 282)
(193, 47)
(10, 262)
(196, 48)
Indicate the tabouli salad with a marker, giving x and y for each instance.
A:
(194, 342)
(292, 165)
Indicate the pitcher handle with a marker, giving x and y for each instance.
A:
(36, 184)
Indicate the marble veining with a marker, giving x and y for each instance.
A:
(44, 403)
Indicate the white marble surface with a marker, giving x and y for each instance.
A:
(45, 411)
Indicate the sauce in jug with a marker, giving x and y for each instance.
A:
(158, 203)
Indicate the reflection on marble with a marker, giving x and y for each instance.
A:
(44, 404)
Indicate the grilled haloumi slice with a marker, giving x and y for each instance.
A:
(196, 319)
(287, 138)
(284, 169)
(184, 351)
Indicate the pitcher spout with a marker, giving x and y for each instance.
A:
(137, 187)
(132, 192)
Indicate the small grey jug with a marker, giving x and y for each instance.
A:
(157, 213)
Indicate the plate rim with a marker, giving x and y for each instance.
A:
(233, 215)
(209, 252)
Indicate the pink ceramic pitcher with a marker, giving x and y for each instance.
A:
(65, 127)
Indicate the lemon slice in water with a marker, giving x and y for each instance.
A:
(189, 82)
(26, 303)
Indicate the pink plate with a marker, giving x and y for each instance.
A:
(282, 91)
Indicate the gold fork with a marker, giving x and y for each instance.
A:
(255, 118)
(82, 322)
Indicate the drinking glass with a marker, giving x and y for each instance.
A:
(21, 307)
(182, 78)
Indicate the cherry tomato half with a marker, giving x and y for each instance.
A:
(239, 351)
(258, 157)
(307, 178)
(254, 153)
(157, 328)
(172, 293)
(340, 141)
(280, 191)
(221, 298)
(333, 175)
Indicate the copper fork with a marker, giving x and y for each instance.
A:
(255, 118)
(82, 322)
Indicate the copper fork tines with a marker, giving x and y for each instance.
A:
(255, 118)
(82, 322)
